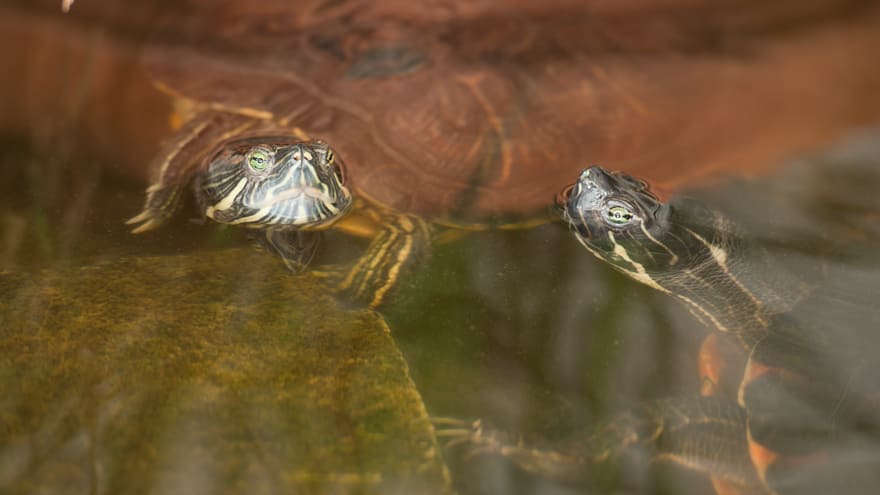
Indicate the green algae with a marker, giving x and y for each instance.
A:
(217, 373)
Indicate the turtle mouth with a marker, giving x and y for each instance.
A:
(299, 195)
(305, 208)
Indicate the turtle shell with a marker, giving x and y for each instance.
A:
(469, 112)
(812, 391)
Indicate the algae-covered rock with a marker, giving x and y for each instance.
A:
(216, 373)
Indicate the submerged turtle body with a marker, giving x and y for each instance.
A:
(463, 115)
(810, 381)
(804, 413)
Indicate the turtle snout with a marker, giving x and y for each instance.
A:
(595, 178)
(589, 190)
(302, 167)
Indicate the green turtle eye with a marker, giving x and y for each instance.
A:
(258, 159)
(618, 215)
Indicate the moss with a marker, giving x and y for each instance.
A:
(220, 371)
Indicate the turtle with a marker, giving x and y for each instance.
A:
(804, 413)
(470, 116)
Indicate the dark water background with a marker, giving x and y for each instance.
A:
(523, 328)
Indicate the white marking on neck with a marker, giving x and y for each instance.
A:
(262, 212)
(718, 253)
(640, 274)
(674, 260)
(720, 257)
(700, 311)
(226, 202)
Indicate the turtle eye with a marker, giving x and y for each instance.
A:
(259, 159)
(336, 167)
(617, 214)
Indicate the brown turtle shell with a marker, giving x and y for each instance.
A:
(483, 110)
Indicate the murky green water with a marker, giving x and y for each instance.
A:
(522, 328)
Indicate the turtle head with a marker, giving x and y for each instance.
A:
(266, 182)
(682, 247)
(617, 218)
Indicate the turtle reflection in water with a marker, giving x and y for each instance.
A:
(471, 114)
(803, 415)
